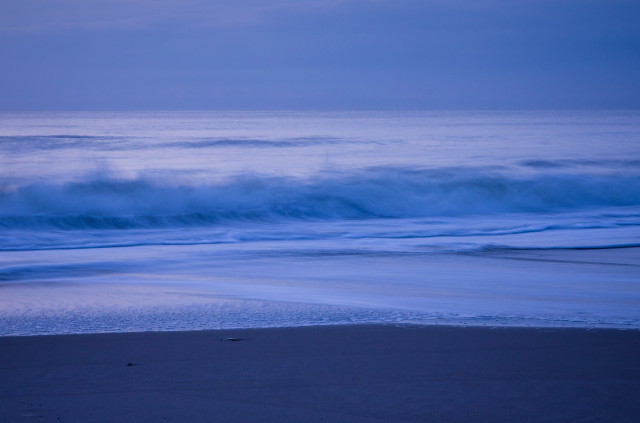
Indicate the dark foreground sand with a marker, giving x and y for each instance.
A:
(325, 374)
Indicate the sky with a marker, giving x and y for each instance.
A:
(319, 54)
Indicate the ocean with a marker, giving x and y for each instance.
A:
(146, 221)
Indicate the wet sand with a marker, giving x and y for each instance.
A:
(330, 374)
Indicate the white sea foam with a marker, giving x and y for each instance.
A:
(371, 193)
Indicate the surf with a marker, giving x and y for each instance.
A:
(374, 193)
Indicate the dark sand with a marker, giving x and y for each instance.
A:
(325, 374)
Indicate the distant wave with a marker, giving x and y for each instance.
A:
(568, 163)
(614, 246)
(262, 143)
(105, 202)
(57, 142)
(108, 143)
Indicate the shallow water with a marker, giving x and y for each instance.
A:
(190, 220)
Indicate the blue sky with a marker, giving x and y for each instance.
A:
(319, 54)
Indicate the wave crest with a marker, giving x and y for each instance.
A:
(106, 202)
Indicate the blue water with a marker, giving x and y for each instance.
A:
(126, 221)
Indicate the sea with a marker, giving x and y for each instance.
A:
(187, 220)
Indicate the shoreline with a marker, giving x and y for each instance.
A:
(463, 325)
(356, 373)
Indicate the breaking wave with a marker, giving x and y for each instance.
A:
(108, 202)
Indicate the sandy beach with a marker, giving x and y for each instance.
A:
(332, 373)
